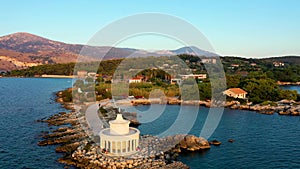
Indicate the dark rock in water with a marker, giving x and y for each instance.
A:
(132, 117)
(134, 124)
(193, 143)
(231, 140)
(295, 113)
(268, 112)
(284, 112)
(68, 148)
(215, 142)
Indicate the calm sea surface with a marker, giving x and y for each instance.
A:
(22, 102)
(261, 141)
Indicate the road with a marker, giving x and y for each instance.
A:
(94, 121)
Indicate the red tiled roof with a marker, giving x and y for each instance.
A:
(237, 91)
(135, 78)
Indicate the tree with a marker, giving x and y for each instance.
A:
(260, 89)
(288, 94)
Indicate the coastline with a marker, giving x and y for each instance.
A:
(283, 107)
(288, 83)
(44, 76)
(57, 76)
(82, 152)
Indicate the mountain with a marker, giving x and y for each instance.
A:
(21, 50)
(29, 43)
(192, 50)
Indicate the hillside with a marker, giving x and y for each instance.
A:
(27, 49)
(22, 50)
(291, 60)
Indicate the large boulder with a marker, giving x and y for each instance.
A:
(287, 112)
(193, 143)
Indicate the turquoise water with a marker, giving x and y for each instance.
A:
(261, 141)
(297, 88)
(22, 102)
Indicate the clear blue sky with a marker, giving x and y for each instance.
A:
(250, 28)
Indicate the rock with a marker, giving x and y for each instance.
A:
(215, 142)
(132, 117)
(193, 143)
(129, 161)
(283, 112)
(140, 102)
(231, 140)
(287, 102)
(175, 165)
(205, 103)
(68, 148)
(173, 101)
(268, 112)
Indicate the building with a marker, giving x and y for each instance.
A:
(278, 64)
(176, 81)
(135, 80)
(236, 93)
(119, 139)
(235, 65)
(196, 76)
(209, 60)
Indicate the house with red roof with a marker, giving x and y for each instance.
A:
(135, 80)
(235, 93)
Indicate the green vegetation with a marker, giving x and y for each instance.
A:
(105, 67)
(67, 95)
(289, 72)
(52, 69)
(144, 89)
(269, 103)
(256, 76)
(103, 91)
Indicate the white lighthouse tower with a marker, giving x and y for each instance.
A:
(119, 139)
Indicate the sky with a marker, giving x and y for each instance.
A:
(246, 28)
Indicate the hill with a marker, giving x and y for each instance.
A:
(291, 60)
(22, 50)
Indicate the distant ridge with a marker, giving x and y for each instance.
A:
(22, 49)
(292, 60)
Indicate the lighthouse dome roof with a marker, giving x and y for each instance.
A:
(119, 120)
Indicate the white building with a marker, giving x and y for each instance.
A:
(119, 139)
(135, 80)
(278, 64)
(236, 93)
(209, 60)
(176, 81)
(196, 76)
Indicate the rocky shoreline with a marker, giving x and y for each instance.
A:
(283, 107)
(288, 83)
(82, 152)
